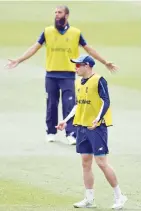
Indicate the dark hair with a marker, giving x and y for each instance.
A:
(66, 9)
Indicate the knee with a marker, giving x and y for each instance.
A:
(101, 163)
(69, 101)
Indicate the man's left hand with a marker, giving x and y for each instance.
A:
(111, 67)
(94, 125)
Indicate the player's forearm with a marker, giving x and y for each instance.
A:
(71, 114)
(103, 110)
(95, 54)
(29, 53)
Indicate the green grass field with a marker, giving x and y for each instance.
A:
(47, 177)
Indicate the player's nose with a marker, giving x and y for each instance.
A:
(57, 15)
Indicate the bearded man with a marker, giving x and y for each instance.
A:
(62, 43)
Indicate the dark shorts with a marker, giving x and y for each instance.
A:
(92, 141)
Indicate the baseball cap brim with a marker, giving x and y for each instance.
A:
(78, 61)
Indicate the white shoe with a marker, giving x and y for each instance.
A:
(85, 204)
(50, 137)
(119, 203)
(71, 140)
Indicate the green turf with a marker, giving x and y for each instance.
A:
(121, 33)
(55, 189)
(18, 194)
(116, 35)
(21, 196)
(103, 25)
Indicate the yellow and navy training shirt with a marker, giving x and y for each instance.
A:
(61, 74)
(90, 97)
(61, 48)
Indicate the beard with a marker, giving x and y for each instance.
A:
(59, 24)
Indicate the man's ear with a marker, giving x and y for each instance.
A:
(67, 16)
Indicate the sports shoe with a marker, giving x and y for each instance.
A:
(71, 140)
(85, 203)
(119, 203)
(50, 137)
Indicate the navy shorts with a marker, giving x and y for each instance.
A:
(92, 141)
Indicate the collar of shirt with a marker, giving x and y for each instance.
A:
(84, 80)
(63, 30)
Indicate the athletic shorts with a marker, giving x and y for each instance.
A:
(92, 141)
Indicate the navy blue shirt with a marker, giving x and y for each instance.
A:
(103, 93)
(61, 74)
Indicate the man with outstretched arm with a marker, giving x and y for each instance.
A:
(62, 42)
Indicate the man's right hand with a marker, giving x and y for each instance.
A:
(61, 125)
(12, 64)
(30, 52)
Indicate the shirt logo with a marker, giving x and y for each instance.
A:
(70, 98)
(100, 149)
(61, 50)
(83, 101)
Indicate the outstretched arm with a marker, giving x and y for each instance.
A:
(96, 55)
(29, 53)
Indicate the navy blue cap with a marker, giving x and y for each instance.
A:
(84, 59)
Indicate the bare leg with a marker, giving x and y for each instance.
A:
(87, 160)
(107, 170)
(88, 201)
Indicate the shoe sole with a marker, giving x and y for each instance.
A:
(50, 141)
(121, 207)
(93, 206)
(72, 144)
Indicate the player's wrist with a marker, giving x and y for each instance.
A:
(97, 119)
(65, 120)
(19, 60)
(106, 63)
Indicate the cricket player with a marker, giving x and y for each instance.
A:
(92, 117)
(62, 42)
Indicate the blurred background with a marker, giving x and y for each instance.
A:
(40, 176)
